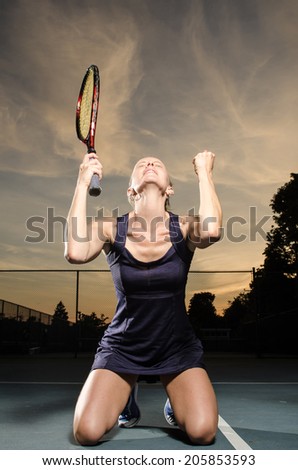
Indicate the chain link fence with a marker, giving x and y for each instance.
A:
(31, 296)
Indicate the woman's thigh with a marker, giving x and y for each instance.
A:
(102, 398)
(194, 404)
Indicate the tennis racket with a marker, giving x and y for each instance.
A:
(86, 117)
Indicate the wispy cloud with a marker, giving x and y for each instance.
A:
(176, 77)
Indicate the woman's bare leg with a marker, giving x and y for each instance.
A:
(194, 404)
(102, 399)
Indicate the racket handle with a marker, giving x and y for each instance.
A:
(94, 188)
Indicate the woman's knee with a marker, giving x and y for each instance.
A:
(89, 426)
(87, 434)
(97, 408)
(201, 433)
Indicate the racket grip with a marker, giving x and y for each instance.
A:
(94, 188)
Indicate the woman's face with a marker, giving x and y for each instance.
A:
(149, 170)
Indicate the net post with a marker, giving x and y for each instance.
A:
(257, 309)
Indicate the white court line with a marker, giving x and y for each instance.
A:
(237, 442)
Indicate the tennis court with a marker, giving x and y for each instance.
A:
(258, 405)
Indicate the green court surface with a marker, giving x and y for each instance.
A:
(258, 405)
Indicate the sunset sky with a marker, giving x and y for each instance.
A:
(177, 76)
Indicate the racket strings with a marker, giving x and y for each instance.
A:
(86, 106)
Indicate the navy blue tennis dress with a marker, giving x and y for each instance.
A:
(150, 333)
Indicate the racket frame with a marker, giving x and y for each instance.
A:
(89, 140)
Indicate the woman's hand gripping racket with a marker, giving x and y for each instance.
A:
(86, 117)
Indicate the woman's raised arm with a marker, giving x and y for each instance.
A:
(84, 241)
(205, 229)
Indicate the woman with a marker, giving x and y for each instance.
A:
(149, 251)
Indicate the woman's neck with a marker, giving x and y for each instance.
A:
(150, 205)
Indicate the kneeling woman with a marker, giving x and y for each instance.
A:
(149, 251)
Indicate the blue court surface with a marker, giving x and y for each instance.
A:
(258, 405)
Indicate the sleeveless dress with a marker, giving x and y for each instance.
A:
(150, 333)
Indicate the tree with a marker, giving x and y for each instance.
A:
(60, 313)
(282, 240)
(202, 312)
(241, 310)
(90, 330)
(275, 286)
(274, 289)
(91, 323)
